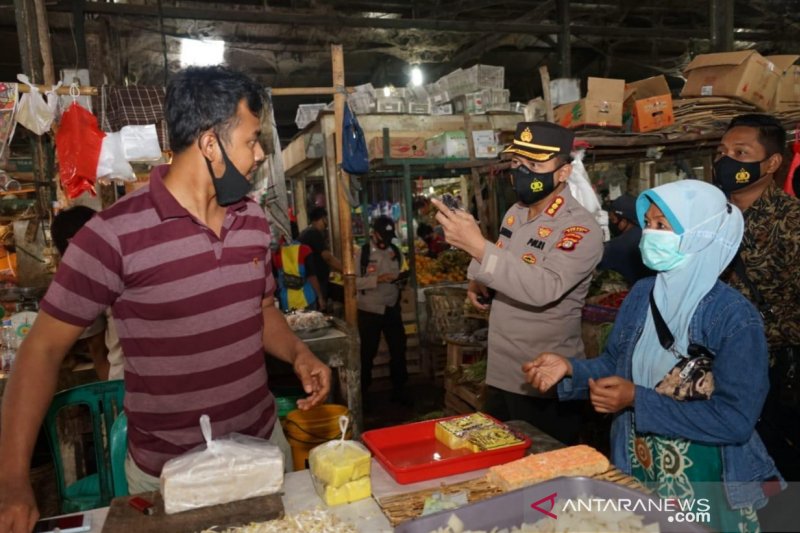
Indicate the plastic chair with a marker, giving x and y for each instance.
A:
(119, 449)
(104, 400)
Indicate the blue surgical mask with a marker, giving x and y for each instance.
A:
(660, 249)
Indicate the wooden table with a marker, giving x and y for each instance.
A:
(299, 495)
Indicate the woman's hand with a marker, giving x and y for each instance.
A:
(611, 394)
(387, 278)
(547, 370)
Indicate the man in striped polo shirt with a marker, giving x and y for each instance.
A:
(184, 264)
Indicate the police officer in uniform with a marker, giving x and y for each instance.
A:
(539, 269)
(378, 265)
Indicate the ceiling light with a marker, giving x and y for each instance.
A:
(416, 76)
(201, 53)
(387, 91)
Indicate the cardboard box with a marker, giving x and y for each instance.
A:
(650, 103)
(442, 109)
(601, 107)
(399, 147)
(448, 144)
(419, 108)
(485, 142)
(746, 75)
(787, 95)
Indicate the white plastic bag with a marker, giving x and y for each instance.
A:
(140, 143)
(235, 467)
(32, 110)
(581, 188)
(340, 469)
(112, 163)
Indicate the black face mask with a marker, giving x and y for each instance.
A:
(232, 186)
(531, 187)
(731, 175)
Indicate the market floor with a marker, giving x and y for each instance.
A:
(425, 400)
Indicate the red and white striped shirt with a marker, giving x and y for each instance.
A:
(187, 306)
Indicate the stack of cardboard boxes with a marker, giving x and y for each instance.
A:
(771, 84)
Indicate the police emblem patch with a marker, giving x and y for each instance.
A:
(529, 258)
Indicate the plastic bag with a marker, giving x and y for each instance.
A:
(112, 163)
(78, 144)
(140, 143)
(340, 469)
(32, 110)
(581, 188)
(235, 467)
(355, 156)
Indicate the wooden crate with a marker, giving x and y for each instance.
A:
(463, 397)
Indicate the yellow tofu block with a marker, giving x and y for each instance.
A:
(336, 465)
(491, 439)
(454, 433)
(349, 492)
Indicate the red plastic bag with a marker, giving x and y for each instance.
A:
(788, 185)
(78, 144)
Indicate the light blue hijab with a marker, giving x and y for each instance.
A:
(711, 230)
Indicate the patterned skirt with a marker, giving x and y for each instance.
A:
(679, 468)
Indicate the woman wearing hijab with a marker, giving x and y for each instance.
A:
(685, 368)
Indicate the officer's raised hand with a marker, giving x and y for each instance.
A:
(460, 229)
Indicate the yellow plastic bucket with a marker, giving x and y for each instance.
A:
(308, 429)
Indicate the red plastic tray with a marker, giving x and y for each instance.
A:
(411, 453)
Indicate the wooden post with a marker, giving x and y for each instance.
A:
(345, 225)
(475, 176)
(43, 29)
(548, 102)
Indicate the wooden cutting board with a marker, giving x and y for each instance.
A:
(124, 518)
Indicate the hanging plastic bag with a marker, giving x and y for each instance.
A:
(32, 110)
(112, 163)
(140, 143)
(788, 185)
(340, 469)
(78, 145)
(581, 188)
(231, 468)
(355, 156)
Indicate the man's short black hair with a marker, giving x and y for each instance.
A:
(423, 230)
(317, 213)
(771, 133)
(67, 223)
(204, 98)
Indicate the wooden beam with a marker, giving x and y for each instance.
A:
(342, 180)
(720, 19)
(548, 101)
(564, 49)
(442, 25)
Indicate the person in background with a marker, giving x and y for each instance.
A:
(298, 287)
(765, 269)
(433, 240)
(540, 267)
(378, 264)
(621, 253)
(101, 337)
(684, 371)
(315, 236)
(184, 262)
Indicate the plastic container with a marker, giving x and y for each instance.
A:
(411, 453)
(514, 508)
(307, 429)
(286, 404)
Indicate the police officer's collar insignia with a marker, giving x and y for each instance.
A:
(545, 232)
(742, 176)
(526, 136)
(555, 206)
(510, 220)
